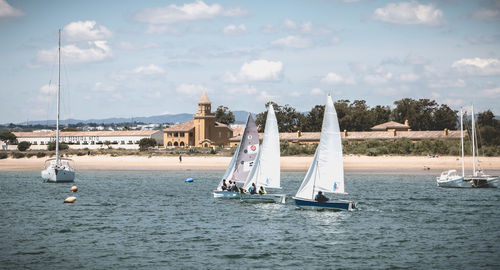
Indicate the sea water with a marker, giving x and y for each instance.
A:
(154, 220)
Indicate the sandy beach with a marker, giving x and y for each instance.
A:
(360, 164)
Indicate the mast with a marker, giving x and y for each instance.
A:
(58, 101)
(462, 139)
(473, 144)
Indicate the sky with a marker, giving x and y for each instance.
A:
(143, 58)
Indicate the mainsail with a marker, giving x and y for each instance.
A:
(326, 172)
(266, 171)
(246, 153)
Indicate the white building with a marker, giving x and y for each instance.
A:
(126, 139)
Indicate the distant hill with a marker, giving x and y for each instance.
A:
(240, 118)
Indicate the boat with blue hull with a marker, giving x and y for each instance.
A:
(326, 172)
(340, 205)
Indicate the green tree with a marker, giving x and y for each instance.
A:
(289, 120)
(342, 109)
(224, 115)
(52, 146)
(360, 117)
(487, 118)
(314, 119)
(380, 114)
(444, 117)
(23, 146)
(145, 143)
(8, 137)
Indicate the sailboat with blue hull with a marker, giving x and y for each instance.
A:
(326, 172)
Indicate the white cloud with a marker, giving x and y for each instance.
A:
(152, 69)
(447, 83)
(478, 66)
(453, 102)
(409, 13)
(132, 47)
(265, 96)
(392, 91)
(95, 51)
(379, 78)
(491, 93)
(188, 12)
(486, 14)
(289, 24)
(317, 92)
(8, 12)
(101, 87)
(234, 29)
(409, 77)
(244, 89)
(48, 89)
(257, 70)
(334, 78)
(86, 31)
(191, 89)
(295, 94)
(295, 42)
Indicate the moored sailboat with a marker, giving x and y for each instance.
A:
(242, 161)
(450, 178)
(266, 171)
(326, 172)
(479, 179)
(58, 169)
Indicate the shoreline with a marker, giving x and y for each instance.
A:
(352, 164)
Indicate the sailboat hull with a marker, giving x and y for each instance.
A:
(221, 194)
(482, 181)
(453, 183)
(338, 205)
(54, 175)
(265, 198)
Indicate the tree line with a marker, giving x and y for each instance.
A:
(422, 114)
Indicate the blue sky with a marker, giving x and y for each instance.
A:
(143, 58)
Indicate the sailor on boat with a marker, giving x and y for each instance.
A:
(262, 191)
(320, 197)
(224, 185)
(253, 189)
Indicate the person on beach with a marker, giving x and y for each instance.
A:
(262, 191)
(224, 185)
(253, 189)
(180, 158)
(320, 197)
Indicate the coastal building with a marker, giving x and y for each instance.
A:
(202, 131)
(126, 139)
(386, 131)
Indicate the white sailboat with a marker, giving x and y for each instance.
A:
(58, 169)
(450, 178)
(326, 172)
(266, 171)
(242, 161)
(479, 179)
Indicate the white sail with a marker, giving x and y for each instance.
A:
(247, 152)
(266, 171)
(326, 172)
(230, 168)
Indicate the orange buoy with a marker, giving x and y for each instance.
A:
(70, 200)
(74, 189)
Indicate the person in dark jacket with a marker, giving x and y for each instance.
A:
(224, 185)
(320, 197)
(262, 191)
